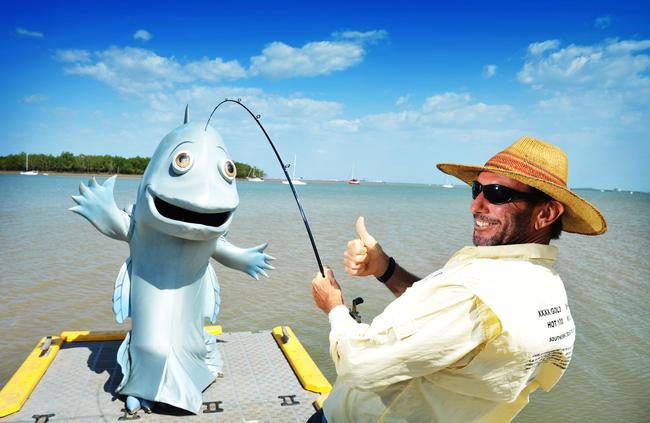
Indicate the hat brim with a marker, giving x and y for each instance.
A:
(579, 216)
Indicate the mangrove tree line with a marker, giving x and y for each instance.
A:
(82, 163)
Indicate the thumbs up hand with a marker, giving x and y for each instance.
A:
(364, 256)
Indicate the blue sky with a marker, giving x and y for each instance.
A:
(389, 90)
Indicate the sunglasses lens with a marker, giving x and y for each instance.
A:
(497, 194)
(494, 193)
(476, 189)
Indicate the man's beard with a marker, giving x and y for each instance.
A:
(512, 231)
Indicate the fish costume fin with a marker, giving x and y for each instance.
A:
(124, 360)
(97, 204)
(252, 261)
(122, 293)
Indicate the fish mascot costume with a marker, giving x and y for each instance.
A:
(185, 203)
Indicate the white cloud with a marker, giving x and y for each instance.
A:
(130, 70)
(142, 35)
(362, 37)
(137, 71)
(445, 113)
(460, 109)
(592, 98)
(536, 49)
(27, 33)
(279, 60)
(446, 101)
(603, 22)
(489, 71)
(72, 55)
(283, 114)
(215, 69)
(402, 100)
(610, 64)
(34, 98)
(344, 125)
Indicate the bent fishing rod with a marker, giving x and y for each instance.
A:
(284, 169)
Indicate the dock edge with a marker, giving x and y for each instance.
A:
(23, 382)
(308, 373)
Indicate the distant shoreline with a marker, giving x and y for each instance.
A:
(277, 180)
(86, 174)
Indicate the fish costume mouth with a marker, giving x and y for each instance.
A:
(173, 212)
(165, 209)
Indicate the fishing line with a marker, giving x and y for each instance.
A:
(284, 169)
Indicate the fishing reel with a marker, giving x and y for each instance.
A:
(353, 310)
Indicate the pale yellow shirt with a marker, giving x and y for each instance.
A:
(467, 343)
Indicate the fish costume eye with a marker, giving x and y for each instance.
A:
(228, 170)
(182, 162)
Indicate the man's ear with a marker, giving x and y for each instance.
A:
(548, 213)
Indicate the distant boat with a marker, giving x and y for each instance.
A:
(27, 171)
(253, 178)
(293, 175)
(353, 180)
(447, 184)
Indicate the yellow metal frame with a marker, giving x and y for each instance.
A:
(308, 373)
(24, 381)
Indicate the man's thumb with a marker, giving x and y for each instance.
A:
(367, 239)
(329, 274)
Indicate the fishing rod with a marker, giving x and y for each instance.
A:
(284, 169)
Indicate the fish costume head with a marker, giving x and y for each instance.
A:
(188, 189)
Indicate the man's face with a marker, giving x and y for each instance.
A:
(501, 224)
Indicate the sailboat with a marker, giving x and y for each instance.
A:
(447, 184)
(293, 175)
(253, 178)
(27, 171)
(352, 180)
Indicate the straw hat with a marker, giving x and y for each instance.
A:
(545, 167)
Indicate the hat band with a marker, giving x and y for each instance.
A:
(508, 161)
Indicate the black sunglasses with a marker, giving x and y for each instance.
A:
(499, 194)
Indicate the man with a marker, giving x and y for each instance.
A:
(469, 342)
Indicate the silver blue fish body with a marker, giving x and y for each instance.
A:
(185, 204)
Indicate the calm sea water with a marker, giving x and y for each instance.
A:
(57, 273)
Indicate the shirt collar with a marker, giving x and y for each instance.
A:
(515, 251)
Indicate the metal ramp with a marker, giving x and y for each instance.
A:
(259, 384)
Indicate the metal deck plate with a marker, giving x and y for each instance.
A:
(258, 386)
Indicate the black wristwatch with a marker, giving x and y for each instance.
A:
(389, 271)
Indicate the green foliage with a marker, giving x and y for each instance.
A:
(68, 162)
(244, 170)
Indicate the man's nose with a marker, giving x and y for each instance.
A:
(479, 204)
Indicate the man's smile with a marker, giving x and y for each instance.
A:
(483, 222)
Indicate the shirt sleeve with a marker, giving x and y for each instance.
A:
(419, 333)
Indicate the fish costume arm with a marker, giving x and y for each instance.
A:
(252, 261)
(97, 204)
